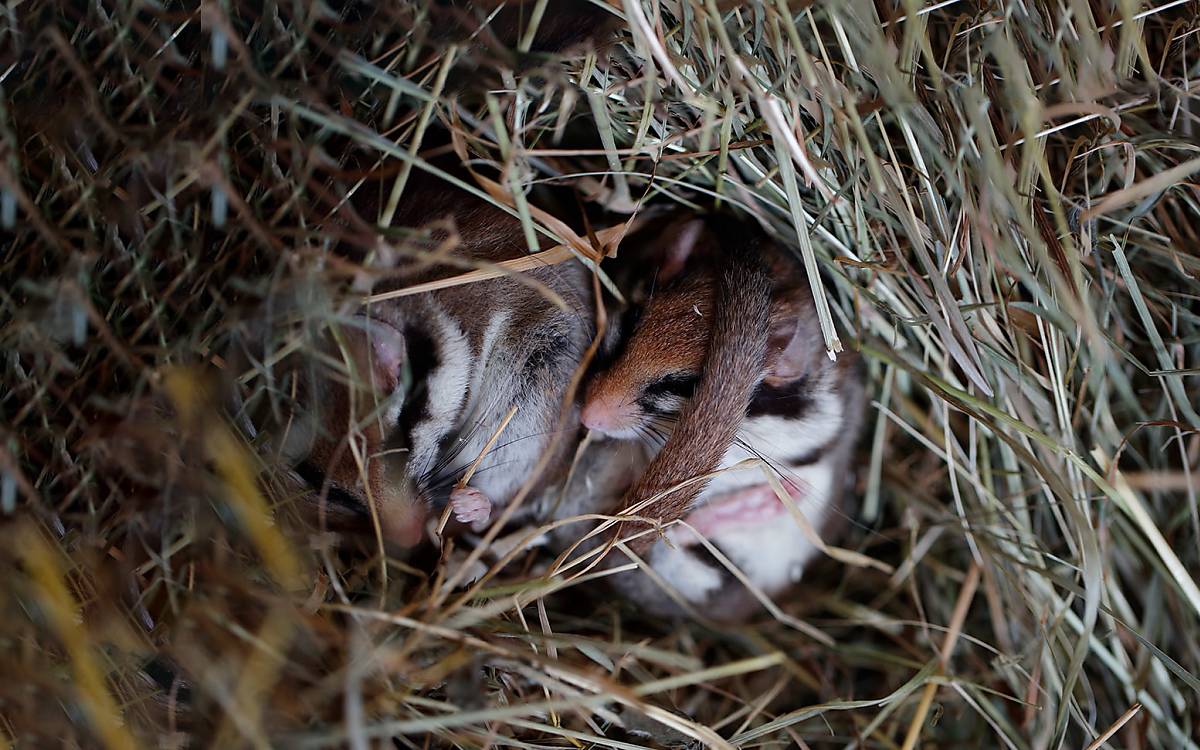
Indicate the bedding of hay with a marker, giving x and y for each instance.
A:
(1002, 200)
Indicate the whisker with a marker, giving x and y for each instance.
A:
(442, 461)
(664, 420)
(447, 467)
(543, 433)
(653, 438)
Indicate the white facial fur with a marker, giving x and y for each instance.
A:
(469, 390)
(492, 389)
(683, 571)
(447, 384)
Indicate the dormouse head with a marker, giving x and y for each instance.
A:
(659, 365)
(368, 414)
(666, 345)
(662, 339)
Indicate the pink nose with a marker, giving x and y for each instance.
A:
(599, 415)
(403, 526)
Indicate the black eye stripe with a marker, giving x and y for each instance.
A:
(793, 400)
(422, 360)
(682, 385)
(656, 407)
(334, 494)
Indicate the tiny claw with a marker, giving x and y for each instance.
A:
(471, 506)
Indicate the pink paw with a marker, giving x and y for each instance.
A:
(471, 506)
(747, 507)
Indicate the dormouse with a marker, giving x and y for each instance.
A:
(414, 387)
(409, 390)
(801, 417)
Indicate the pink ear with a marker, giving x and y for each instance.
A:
(793, 346)
(680, 245)
(387, 350)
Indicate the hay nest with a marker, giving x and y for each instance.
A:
(1001, 199)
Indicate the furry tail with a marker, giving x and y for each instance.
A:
(733, 369)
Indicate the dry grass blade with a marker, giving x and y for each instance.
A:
(965, 597)
(609, 238)
(61, 611)
(1116, 726)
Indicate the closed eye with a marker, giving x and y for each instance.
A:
(334, 494)
(666, 396)
(682, 385)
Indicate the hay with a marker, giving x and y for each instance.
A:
(1001, 200)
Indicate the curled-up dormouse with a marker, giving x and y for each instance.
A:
(725, 362)
(395, 400)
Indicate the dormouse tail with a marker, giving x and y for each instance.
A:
(734, 367)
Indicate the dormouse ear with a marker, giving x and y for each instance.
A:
(387, 351)
(376, 353)
(794, 343)
(679, 244)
